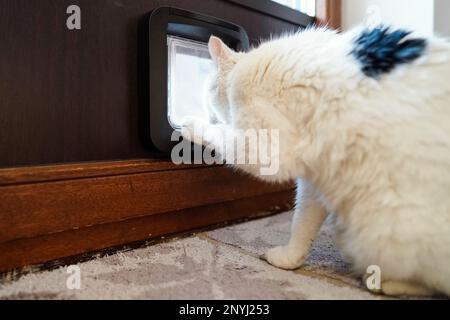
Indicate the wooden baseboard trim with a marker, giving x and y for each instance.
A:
(49, 213)
(42, 249)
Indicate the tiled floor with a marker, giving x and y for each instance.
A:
(220, 264)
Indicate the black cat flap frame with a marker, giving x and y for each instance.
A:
(176, 39)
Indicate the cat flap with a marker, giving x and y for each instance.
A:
(176, 64)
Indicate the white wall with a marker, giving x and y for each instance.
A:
(441, 17)
(417, 15)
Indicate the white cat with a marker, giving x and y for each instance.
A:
(364, 120)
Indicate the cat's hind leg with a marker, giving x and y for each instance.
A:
(403, 289)
(308, 219)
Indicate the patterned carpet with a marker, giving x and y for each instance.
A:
(220, 264)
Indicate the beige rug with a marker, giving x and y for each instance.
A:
(220, 264)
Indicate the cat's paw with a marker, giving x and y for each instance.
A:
(283, 258)
(193, 129)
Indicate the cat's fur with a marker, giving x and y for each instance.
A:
(374, 150)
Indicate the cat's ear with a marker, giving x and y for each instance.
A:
(219, 50)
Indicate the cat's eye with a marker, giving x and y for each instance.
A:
(175, 64)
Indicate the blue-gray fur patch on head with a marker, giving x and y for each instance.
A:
(381, 50)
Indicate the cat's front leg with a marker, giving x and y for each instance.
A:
(206, 134)
(309, 216)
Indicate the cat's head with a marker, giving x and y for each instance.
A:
(216, 95)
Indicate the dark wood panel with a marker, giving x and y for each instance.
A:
(42, 249)
(277, 10)
(72, 96)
